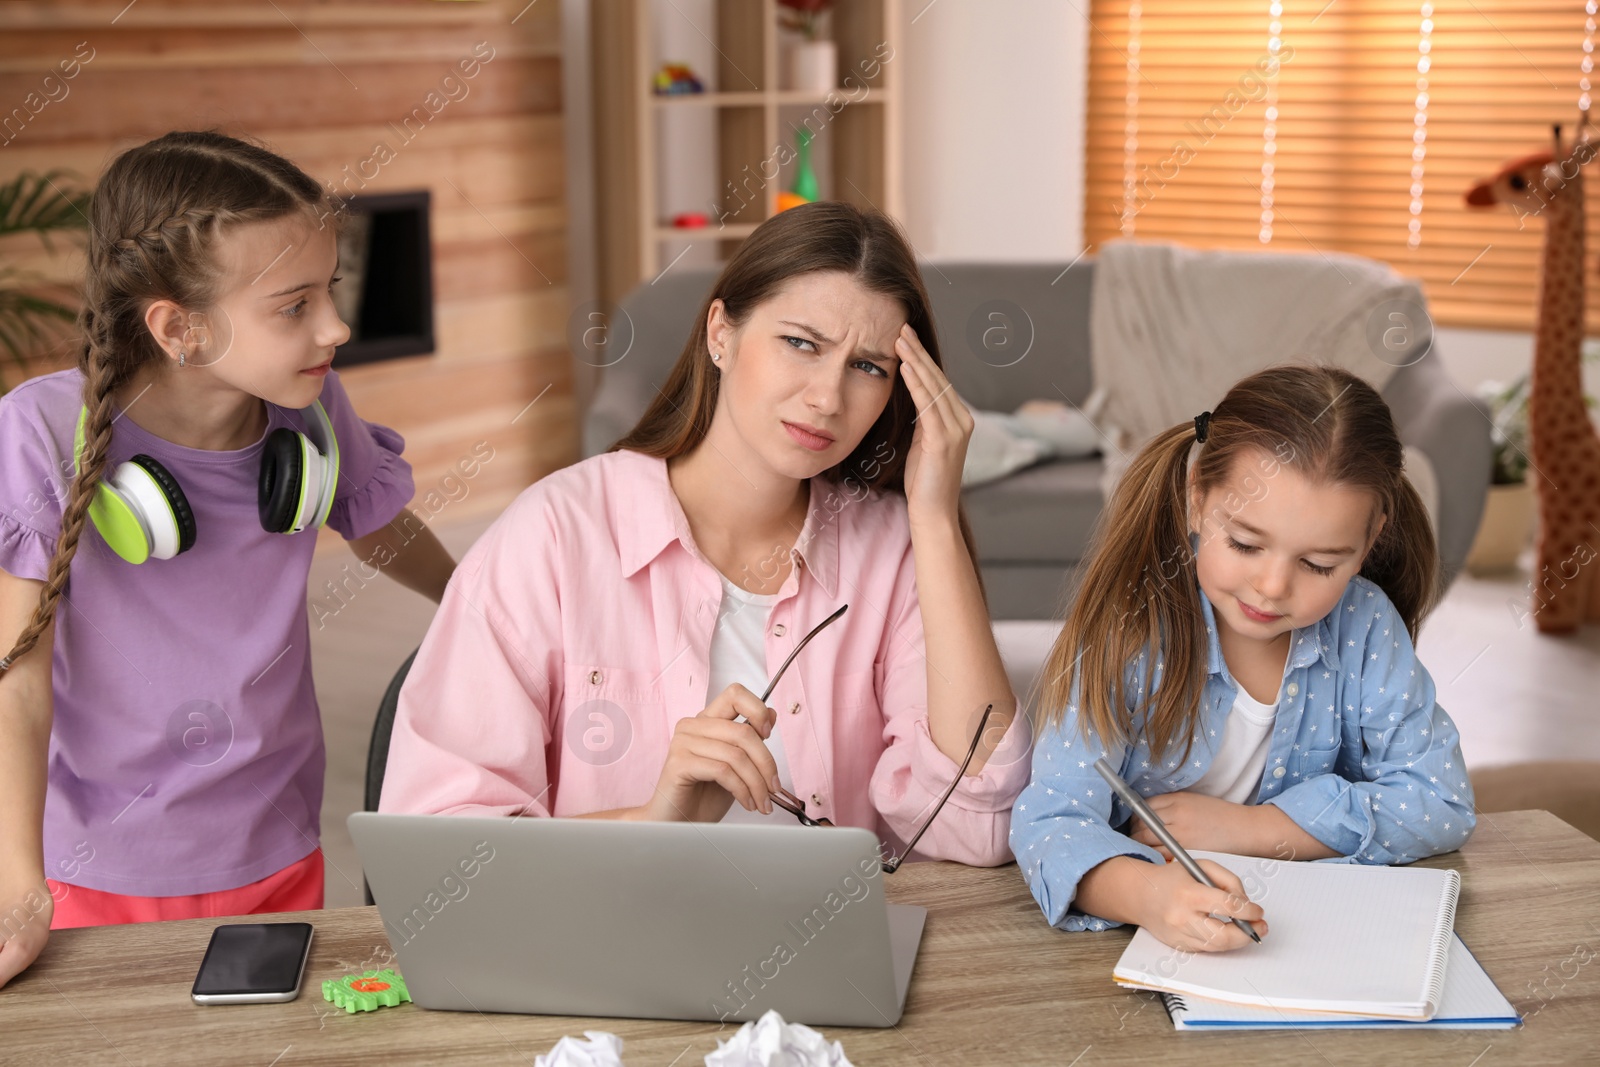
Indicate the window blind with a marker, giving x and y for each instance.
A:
(1355, 125)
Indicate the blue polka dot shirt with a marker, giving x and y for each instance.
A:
(1362, 758)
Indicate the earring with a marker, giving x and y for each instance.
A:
(183, 358)
(716, 357)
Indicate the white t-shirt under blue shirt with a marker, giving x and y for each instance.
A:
(1235, 773)
(738, 654)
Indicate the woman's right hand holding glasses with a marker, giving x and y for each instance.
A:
(714, 760)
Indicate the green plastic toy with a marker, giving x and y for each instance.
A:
(367, 991)
(805, 179)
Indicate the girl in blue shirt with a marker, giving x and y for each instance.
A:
(1240, 648)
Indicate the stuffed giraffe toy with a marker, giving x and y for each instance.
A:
(1563, 444)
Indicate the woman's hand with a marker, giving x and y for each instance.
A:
(713, 761)
(1178, 910)
(939, 442)
(28, 908)
(1202, 822)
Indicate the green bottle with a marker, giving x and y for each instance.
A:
(805, 179)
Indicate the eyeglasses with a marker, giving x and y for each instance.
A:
(797, 807)
(815, 630)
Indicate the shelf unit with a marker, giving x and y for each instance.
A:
(752, 125)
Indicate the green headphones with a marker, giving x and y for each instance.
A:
(141, 510)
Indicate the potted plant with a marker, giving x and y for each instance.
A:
(1508, 512)
(31, 319)
(810, 64)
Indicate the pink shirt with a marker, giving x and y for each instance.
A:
(577, 632)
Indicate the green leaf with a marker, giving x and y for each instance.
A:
(43, 204)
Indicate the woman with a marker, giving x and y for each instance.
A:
(600, 648)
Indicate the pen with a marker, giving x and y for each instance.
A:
(1157, 827)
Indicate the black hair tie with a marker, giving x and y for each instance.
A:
(1202, 426)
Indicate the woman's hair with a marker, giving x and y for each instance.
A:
(1140, 590)
(158, 215)
(828, 235)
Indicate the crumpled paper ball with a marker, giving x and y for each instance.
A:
(771, 1042)
(598, 1049)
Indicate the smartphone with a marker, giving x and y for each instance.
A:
(253, 963)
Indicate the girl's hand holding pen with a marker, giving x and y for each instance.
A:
(1180, 904)
(1179, 910)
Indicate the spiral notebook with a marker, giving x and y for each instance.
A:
(1343, 938)
(1470, 1001)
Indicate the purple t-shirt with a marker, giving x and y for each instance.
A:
(186, 754)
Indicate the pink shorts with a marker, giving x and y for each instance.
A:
(298, 887)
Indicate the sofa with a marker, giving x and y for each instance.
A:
(1011, 332)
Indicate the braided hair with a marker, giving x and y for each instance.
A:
(157, 216)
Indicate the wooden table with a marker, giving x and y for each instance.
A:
(993, 985)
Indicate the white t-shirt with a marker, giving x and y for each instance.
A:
(1235, 774)
(738, 654)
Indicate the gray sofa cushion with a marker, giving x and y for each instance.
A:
(1041, 514)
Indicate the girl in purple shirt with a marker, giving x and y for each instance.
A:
(160, 744)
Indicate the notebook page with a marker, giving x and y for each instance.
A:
(1344, 937)
(1470, 1000)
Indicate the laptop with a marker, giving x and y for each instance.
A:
(594, 917)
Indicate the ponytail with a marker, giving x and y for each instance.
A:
(1404, 561)
(1138, 594)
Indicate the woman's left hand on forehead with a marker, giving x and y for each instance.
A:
(939, 441)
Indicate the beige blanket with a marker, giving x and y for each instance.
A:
(1172, 328)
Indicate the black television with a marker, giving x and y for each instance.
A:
(386, 267)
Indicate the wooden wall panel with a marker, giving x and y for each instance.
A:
(326, 84)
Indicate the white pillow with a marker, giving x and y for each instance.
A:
(1002, 443)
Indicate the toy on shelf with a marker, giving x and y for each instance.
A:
(806, 190)
(674, 79)
(367, 991)
(691, 220)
